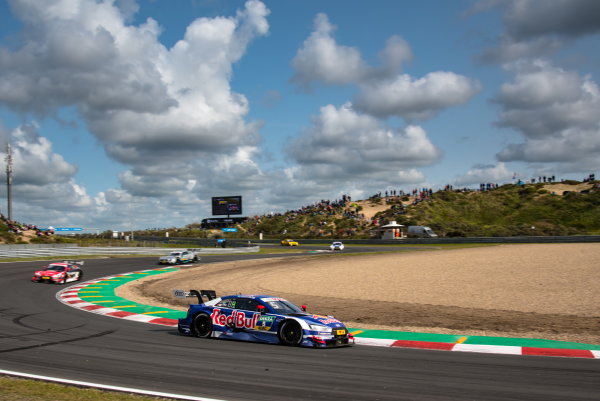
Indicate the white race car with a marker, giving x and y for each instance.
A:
(336, 246)
(179, 257)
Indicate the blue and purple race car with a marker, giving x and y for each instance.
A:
(260, 318)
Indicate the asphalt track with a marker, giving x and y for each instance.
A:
(41, 336)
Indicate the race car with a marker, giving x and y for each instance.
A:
(179, 257)
(289, 242)
(260, 318)
(336, 246)
(59, 273)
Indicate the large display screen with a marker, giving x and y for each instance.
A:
(226, 205)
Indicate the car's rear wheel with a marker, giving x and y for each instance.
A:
(202, 325)
(290, 333)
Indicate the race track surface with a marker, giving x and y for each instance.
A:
(40, 335)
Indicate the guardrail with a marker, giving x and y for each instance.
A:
(22, 251)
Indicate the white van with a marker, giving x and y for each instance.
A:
(420, 232)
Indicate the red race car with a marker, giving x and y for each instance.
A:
(59, 273)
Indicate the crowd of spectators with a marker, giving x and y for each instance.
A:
(398, 200)
(321, 216)
(19, 228)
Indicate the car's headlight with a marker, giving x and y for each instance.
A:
(38, 274)
(318, 327)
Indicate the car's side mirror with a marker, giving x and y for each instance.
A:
(303, 308)
(261, 309)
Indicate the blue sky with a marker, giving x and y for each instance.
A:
(133, 114)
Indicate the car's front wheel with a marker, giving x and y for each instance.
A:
(202, 325)
(290, 333)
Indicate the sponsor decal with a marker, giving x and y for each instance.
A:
(272, 299)
(237, 319)
(265, 323)
(181, 293)
(325, 319)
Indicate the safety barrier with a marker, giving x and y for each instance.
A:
(68, 251)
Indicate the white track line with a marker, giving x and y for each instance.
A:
(107, 387)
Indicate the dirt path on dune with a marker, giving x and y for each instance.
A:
(534, 290)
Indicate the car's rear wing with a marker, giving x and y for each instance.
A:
(72, 262)
(209, 294)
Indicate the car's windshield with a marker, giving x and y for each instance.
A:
(55, 268)
(282, 306)
(175, 253)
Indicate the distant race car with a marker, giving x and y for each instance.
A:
(59, 273)
(336, 246)
(178, 257)
(289, 242)
(260, 318)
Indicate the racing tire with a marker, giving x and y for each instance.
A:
(79, 276)
(178, 262)
(290, 333)
(202, 325)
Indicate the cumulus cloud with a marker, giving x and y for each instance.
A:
(40, 176)
(539, 28)
(416, 99)
(34, 161)
(556, 111)
(321, 58)
(383, 91)
(496, 173)
(151, 107)
(135, 94)
(342, 143)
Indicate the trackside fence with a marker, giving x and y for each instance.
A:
(68, 250)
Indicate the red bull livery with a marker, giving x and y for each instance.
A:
(260, 318)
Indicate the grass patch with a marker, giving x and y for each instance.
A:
(15, 389)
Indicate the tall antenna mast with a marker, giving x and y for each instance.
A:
(9, 162)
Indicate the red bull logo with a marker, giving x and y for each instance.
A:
(236, 319)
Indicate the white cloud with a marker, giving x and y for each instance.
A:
(321, 58)
(151, 107)
(555, 110)
(34, 161)
(342, 143)
(497, 174)
(139, 98)
(169, 113)
(42, 179)
(383, 91)
(416, 99)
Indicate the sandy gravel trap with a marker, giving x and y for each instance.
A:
(531, 290)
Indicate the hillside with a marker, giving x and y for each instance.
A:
(567, 208)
